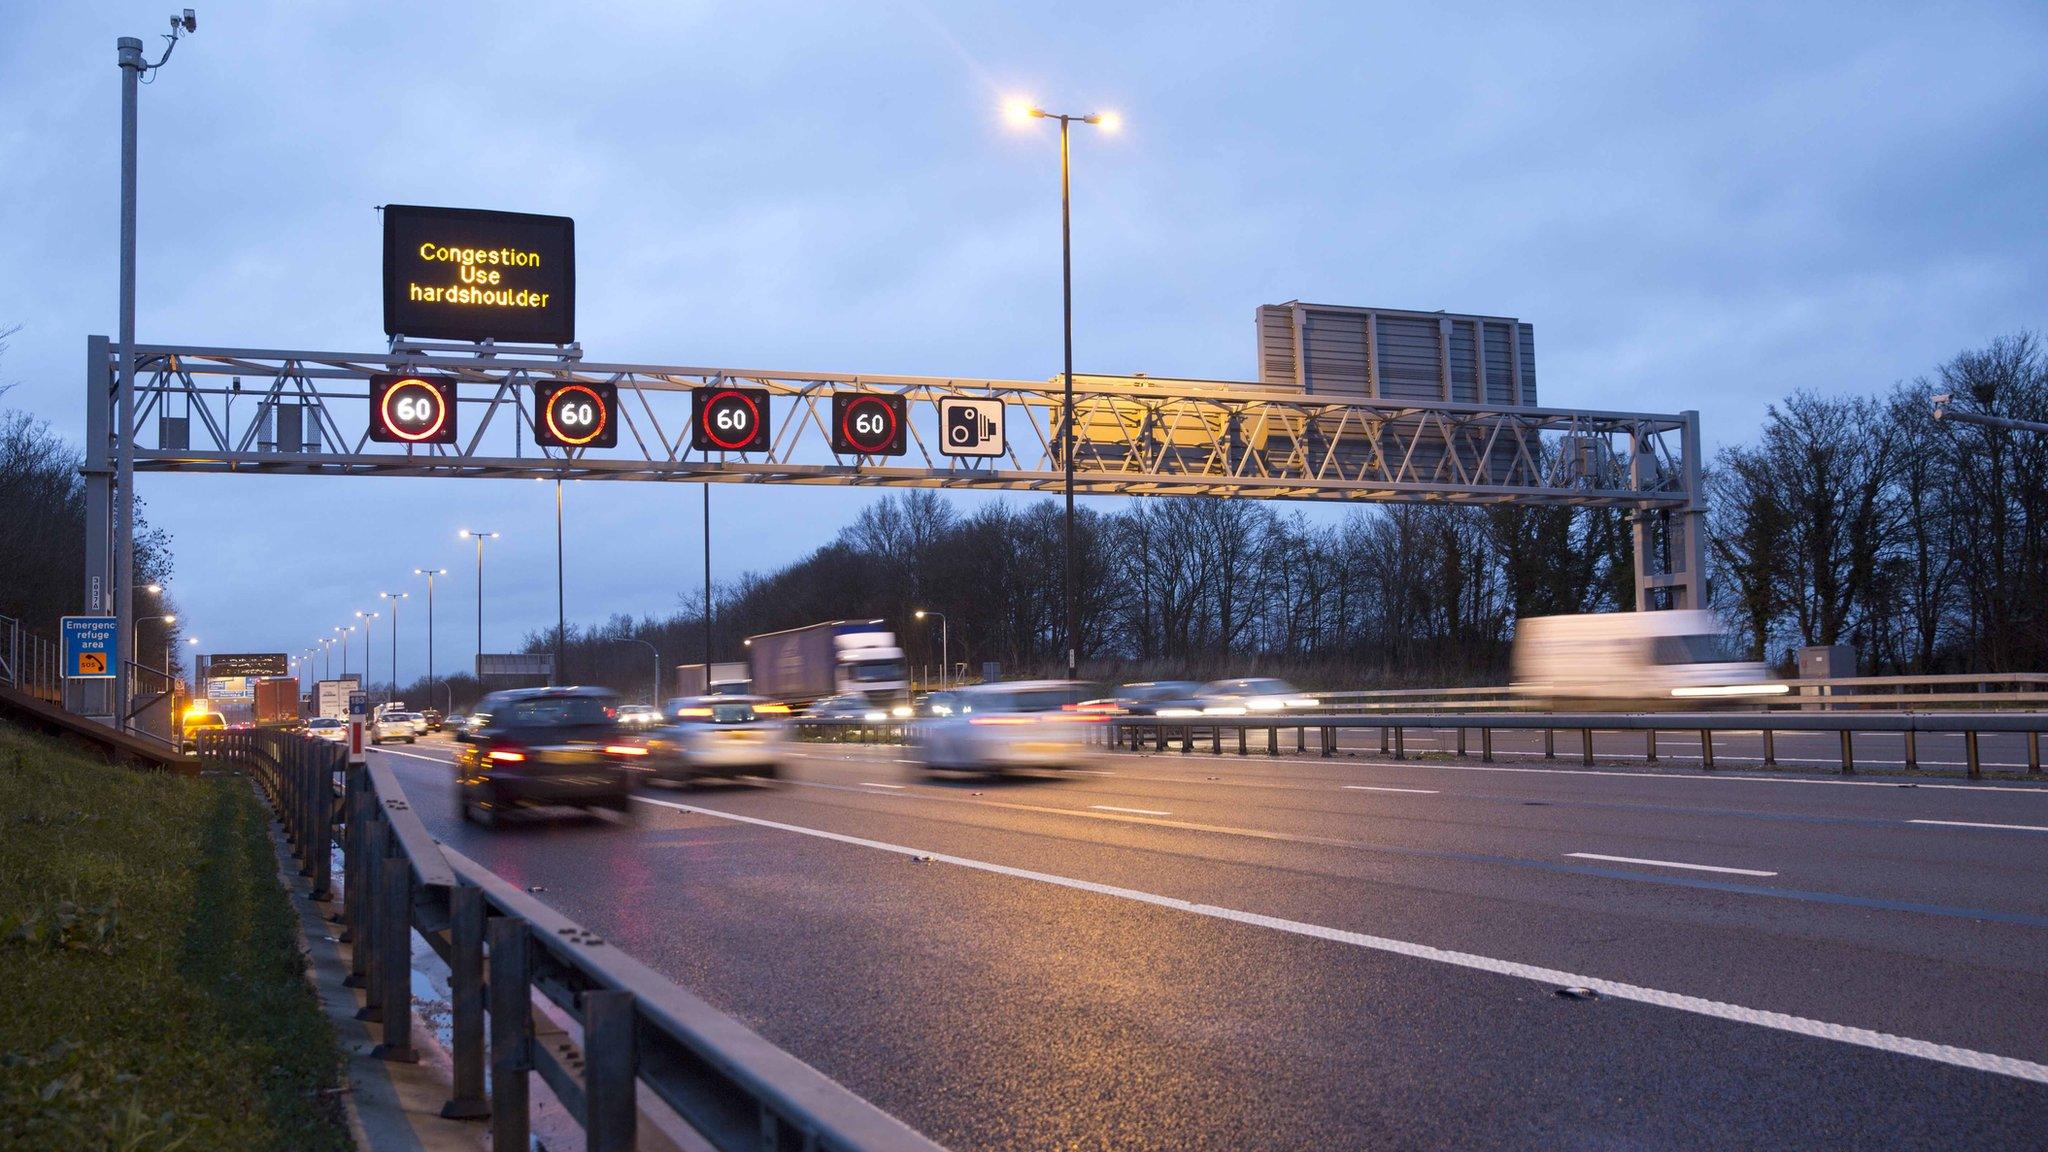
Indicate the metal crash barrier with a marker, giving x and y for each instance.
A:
(1139, 733)
(632, 1027)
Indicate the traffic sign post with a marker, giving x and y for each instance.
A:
(91, 646)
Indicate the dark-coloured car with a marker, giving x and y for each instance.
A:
(544, 748)
(1155, 698)
(433, 718)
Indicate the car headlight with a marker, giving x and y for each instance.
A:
(900, 711)
(877, 714)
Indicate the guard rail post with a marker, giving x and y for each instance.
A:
(1400, 742)
(1300, 739)
(1461, 741)
(368, 947)
(1550, 743)
(1586, 742)
(1771, 748)
(1216, 740)
(466, 990)
(1485, 745)
(511, 1032)
(1706, 749)
(1650, 746)
(610, 1071)
(1273, 740)
(1848, 753)
(394, 954)
(1383, 739)
(1327, 736)
(2033, 753)
(1912, 750)
(1969, 753)
(320, 771)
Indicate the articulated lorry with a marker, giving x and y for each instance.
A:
(724, 678)
(277, 702)
(835, 658)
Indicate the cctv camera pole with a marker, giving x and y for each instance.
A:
(129, 49)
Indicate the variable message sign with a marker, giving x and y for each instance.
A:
(576, 415)
(724, 419)
(868, 424)
(248, 664)
(412, 410)
(467, 274)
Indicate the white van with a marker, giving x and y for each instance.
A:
(1673, 659)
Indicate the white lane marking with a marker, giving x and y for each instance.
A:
(1669, 864)
(878, 784)
(418, 756)
(1779, 1021)
(1379, 788)
(1975, 824)
(1133, 811)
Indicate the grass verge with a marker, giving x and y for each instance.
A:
(154, 996)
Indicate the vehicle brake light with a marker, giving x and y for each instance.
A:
(772, 709)
(506, 754)
(625, 750)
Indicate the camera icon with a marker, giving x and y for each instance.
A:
(971, 427)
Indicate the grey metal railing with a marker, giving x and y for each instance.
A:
(1140, 732)
(2019, 690)
(30, 664)
(636, 1028)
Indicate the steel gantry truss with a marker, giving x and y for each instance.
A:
(234, 410)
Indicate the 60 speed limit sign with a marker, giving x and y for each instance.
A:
(729, 420)
(412, 410)
(574, 414)
(867, 424)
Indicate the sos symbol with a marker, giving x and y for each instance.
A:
(412, 410)
(729, 420)
(574, 414)
(867, 424)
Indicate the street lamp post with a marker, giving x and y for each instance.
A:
(394, 597)
(945, 646)
(194, 642)
(366, 618)
(479, 536)
(341, 639)
(430, 573)
(1021, 111)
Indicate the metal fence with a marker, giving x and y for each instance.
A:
(1997, 690)
(30, 664)
(1141, 732)
(633, 1028)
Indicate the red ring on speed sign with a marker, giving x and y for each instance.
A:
(846, 424)
(555, 402)
(391, 423)
(753, 426)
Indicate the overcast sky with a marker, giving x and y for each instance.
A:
(1695, 207)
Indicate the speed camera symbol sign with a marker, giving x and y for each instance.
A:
(971, 427)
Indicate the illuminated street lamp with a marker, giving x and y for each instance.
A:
(479, 536)
(1021, 111)
(945, 647)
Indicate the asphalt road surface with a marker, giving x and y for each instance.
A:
(1202, 952)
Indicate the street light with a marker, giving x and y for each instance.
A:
(366, 618)
(479, 536)
(1022, 111)
(430, 573)
(657, 668)
(394, 597)
(945, 647)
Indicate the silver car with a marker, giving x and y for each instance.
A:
(1004, 727)
(714, 736)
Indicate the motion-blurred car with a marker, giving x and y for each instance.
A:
(454, 722)
(1004, 727)
(418, 720)
(544, 747)
(717, 735)
(433, 718)
(1252, 694)
(392, 726)
(846, 708)
(1154, 698)
(327, 728)
(639, 715)
(1628, 660)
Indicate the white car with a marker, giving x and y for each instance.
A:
(639, 715)
(1000, 727)
(327, 728)
(1252, 694)
(728, 736)
(392, 726)
(418, 722)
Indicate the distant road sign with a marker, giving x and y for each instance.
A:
(90, 647)
(725, 419)
(248, 664)
(971, 427)
(412, 410)
(516, 664)
(467, 274)
(868, 424)
(576, 415)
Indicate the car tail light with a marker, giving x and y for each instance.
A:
(506, 755)
(625, 749)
